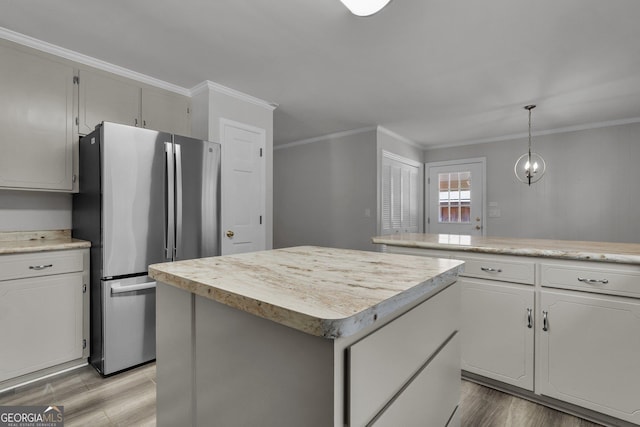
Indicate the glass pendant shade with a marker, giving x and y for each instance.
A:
(529, 168)
(365, 7)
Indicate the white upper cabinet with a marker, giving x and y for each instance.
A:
(36, 121)
(107, 98)
(165, 111)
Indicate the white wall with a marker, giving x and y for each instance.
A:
(322, 191)
(590, 191)
(34, 211)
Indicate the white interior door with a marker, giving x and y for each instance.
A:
(243, 187)
(456, 197)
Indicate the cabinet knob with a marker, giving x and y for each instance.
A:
(230, 234)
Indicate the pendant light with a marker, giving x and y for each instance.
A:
(365, 7)
(530, 166)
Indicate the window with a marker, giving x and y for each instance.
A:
(454, 197)
(400, 193)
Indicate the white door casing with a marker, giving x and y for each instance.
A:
(243, 187)
(472, 222)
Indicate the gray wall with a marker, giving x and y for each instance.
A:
(590, 191)
(34, 211)
(322, 190)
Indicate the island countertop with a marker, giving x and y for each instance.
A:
(324, 292)
(627, 253)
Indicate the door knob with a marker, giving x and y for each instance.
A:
(230, 233)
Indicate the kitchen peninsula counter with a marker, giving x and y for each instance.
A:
(555, 321)
(625, 253)
(306, 336)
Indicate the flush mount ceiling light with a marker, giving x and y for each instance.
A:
(530, 166)
(365, 7)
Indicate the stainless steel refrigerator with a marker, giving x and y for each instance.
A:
(144, 197)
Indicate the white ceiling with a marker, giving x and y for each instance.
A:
(437, 72)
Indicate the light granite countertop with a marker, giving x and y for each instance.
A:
(324, 292)
(17, 242)
(627, 253)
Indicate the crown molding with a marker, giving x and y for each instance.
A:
(401, 138)
(217, 87)
(565, 129)
(71, 55)
(327, 137)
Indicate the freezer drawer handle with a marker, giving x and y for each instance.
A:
(117, 288)
(40, 267)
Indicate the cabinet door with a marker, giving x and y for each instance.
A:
(165, 111)
(107, 98)
(590, 352)
(496, 333)
(36, 121)
(42, 323)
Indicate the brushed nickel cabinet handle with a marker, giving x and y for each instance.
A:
(491, 270)
(529, 318)
(545, 322)
(40, 267)
(603, 281)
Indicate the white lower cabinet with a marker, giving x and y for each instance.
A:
(42, 320)
(432, 395)
(590, 352)
(43, 316)
(497, 330)
(384, 366)
(585, 324)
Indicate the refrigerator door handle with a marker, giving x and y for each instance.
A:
(178, 242)
(170, 202)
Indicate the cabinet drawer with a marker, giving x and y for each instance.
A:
(40, 264)
(499, 269)
(383, 362)
(432, 396)
(608, 279)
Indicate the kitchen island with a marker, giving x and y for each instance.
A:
(307, 336)
(550, 320)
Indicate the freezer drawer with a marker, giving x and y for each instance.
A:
(129, 327)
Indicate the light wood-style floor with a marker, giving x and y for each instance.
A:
(129, 399)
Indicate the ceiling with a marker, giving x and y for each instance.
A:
(438, 72)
